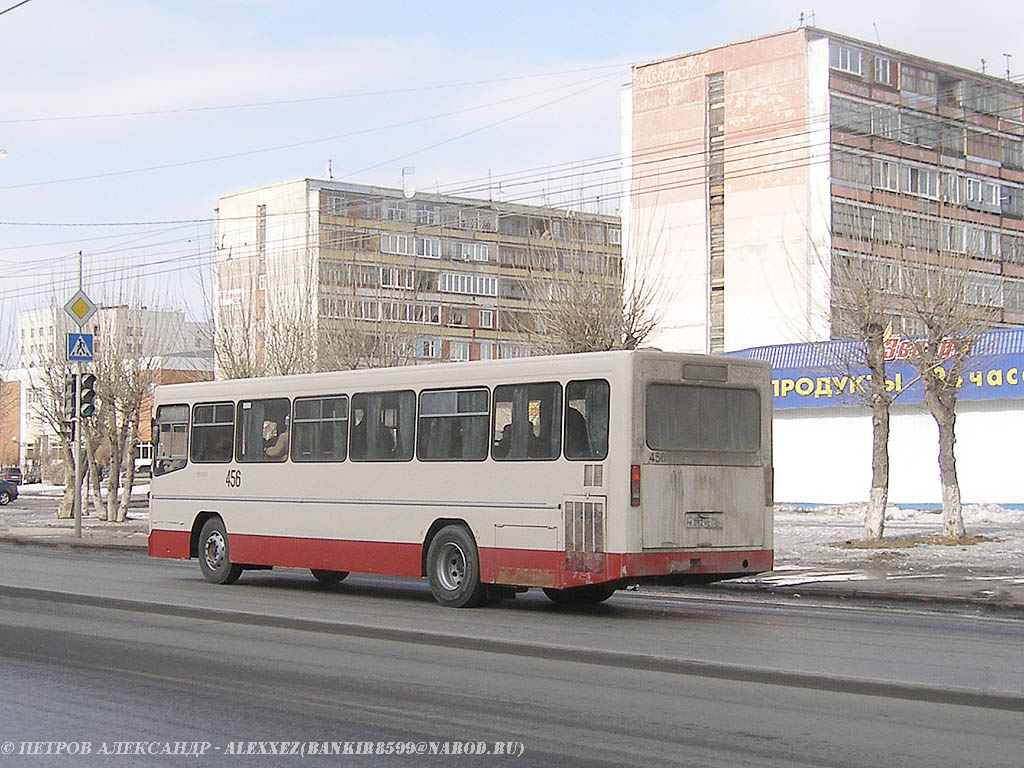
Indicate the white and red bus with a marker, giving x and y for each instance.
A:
(580, 474)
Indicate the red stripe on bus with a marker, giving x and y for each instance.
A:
(520, 567)
(383, 557)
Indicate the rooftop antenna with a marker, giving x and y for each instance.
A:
(1007, 55)
(877, 38)
(330, 170)
(407, 188)
(983, 66)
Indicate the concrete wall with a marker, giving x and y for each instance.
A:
(823, 455)
(776, 177)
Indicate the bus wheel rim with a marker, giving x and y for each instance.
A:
(451, 566)
(214, 549)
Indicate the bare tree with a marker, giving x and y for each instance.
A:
(943, 300)
(585, 300)
(861, 311)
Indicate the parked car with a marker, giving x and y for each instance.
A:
(13, 474)
(33, 476)
(8, 492)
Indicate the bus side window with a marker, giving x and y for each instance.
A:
(527, 421)
(213, 426)
(263, 429)
(586, 419)
(384, 426)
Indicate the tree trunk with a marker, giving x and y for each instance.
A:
(129, 473)
(874, 521)
(945, 418)
(66, 510)
(952, 508)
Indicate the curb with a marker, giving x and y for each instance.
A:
(72, 543)
(1000, 603)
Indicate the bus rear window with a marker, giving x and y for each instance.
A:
(683, 417)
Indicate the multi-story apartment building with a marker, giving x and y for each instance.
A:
(174, 348)
(767, 164)
(436, 277)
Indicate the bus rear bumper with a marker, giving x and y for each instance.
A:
(562, 570)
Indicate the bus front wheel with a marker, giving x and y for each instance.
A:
(453, 569)
(589, 594)
(328, 577)
(214, 558)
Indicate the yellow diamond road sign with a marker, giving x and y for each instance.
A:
(80, 308)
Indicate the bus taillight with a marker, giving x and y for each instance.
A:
(769, 486)
(634, 485)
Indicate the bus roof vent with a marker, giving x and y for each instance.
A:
(705, 372)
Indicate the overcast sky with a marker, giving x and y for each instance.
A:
(117, 112)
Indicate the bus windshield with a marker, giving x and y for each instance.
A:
(685, 417)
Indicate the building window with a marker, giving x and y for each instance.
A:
(400, 244)
(428, 348)
(614, 236)
(885, 71)
(984, 146)
(458, 351)
(854, 169)
(884, 175)
(486, 350)
(485, 318)
(477, 285)
(920, 181)
(473, 251)
(396, 277)
(919, 81)
(428, 247)
(1012, 153)
(844, 59)
(395, 210)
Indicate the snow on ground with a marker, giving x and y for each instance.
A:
(805, 536)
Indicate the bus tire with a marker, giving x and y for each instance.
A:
(328, 577)
(214, 557)
(453, 569)
(590, 594)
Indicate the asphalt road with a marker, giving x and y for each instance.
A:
(109, 648)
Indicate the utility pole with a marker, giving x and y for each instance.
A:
(77, 426)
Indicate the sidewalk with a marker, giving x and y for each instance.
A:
(988, 575)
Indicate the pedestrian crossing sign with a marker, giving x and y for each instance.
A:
(80, 347)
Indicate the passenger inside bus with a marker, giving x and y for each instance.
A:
(274, 445)
(577, 439)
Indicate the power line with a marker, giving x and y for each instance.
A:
(309, 99)
(16, 5)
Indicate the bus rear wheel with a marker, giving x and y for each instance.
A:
(214, 557)
(587, 595)
(328, 577)
(453, 569)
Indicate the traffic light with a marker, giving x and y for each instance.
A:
(69, 397)
(86, 406)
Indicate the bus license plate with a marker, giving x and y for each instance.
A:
(704, 521)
